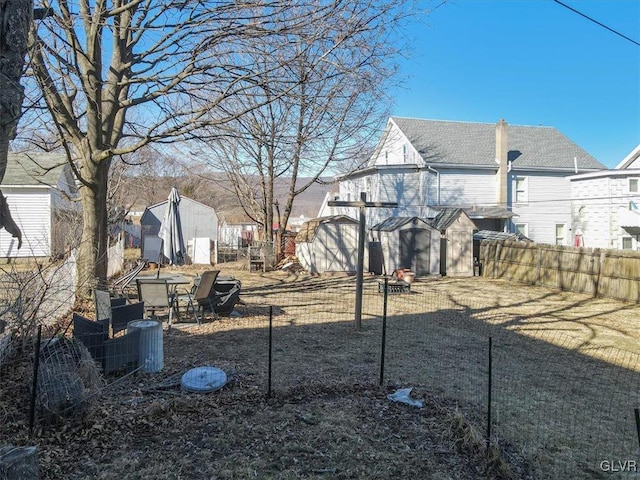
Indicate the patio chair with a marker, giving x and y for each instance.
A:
(104, 302)
(205, 296)
(156, 295)
(123, 314)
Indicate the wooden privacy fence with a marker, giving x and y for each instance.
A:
(599, 272)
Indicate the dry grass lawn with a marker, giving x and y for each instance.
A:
(564, 367)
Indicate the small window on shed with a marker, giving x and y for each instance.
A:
(627, 243)
(633, 185)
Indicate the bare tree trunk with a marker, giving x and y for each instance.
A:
(15, 19)
(92, 257)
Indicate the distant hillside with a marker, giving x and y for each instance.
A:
(214, 191)
(308, 203)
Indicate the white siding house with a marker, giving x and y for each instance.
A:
(505, 177)
(40, 189)
(606, 206)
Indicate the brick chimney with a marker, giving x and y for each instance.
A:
(501, 159)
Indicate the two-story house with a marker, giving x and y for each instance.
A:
(606, 206)
(509, 178)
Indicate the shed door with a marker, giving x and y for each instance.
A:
(460, 253)
(415, 245)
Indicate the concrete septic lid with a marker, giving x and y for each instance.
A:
(204, 379)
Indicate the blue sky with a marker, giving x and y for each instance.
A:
(531, 62)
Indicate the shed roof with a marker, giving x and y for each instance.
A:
(309, 229)
(35, 169)
(160, 206)
(393, 223)
(446, 217)
(469, 143)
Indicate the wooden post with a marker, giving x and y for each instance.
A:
(360, 267)
(603, 255)
(362, 204)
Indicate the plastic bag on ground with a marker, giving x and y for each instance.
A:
(402, 396)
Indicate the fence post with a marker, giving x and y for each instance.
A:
(495, 260)
(270, 352)
(384, 329)
(489, 390)
(34, 389)
(603, 255)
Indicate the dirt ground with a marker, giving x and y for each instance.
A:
(327, 415)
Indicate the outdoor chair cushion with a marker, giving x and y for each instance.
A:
(92, 334)
(122, 315)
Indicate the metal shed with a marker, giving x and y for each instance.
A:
(408, 242)
(456, 249)
(328, 244)
(198, 221)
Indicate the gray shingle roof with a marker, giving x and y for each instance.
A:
(309, 228)
(392, 223)
(445, 217)
(34, 169)
(492, 235)
(467, 143)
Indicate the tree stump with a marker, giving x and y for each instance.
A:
(18, 463)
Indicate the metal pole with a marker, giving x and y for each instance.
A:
(637, 413)
(270, 351)
(360, 267)
(384, 329)
(34, 389)
(489, 389)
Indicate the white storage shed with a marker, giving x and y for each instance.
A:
(328, 245)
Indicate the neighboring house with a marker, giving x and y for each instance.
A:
(237, 231)
(506, 177)
(198, 221)
(606, 206)
(40, 190)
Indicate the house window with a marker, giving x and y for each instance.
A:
(386, 157)
(634, 186)
(521, 190)
(627, 243)
(523, 229)
(404, 153)
(561, 235)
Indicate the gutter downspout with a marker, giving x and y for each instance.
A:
(437, 179)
